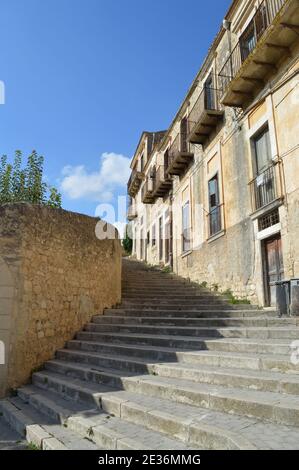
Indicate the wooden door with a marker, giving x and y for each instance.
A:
(274, 270)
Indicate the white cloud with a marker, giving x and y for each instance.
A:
(101, 185)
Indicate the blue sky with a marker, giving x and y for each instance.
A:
(84, 78)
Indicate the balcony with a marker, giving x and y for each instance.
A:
(204, 116)
(132, 213)
(265, 43)
(163, 181)
(179, 155)
(266, 187)
(135, 182)
(147, 192)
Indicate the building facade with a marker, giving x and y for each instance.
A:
(216, 196)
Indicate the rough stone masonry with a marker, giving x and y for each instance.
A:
(55, 274)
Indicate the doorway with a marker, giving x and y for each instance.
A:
(273, 268)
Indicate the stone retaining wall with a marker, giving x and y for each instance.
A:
(54, 276)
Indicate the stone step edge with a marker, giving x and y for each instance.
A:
(33, 433)
(154, 368)
(197, 340)
(186, 319)
(111, 439)
(115, 379)
(124, 309)
(273, 412)
(188, 433)
(72, 421)
(182, 352)
(192, 328)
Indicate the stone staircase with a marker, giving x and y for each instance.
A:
(173, 367)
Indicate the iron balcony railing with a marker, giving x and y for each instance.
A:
(135, 175)
(266, 187)
(263, 18)
(132, 177)
(161, 176)
(179, 145)
(208, 100)
(215, 220)
(147, 189)
(132, 212)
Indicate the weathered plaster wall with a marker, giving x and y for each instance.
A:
(286, 111)
(55, 274)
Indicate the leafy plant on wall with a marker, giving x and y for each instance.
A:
(26, 184)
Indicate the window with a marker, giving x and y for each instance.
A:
(215, 224)
(148, 238)
(269, 220)
(154, 235)
(186, 232)
(262, 150)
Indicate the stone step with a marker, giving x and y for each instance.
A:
(276, 360)
(176, 419)
(196, 301)
(185, 313)
(190, 343)
(269, 406)
(39, 429)
(185, 306)
(168, 290)
(164, 296)
(261, 321)
(145, 280)
(116, 434)
(93, 428)
(243, 378)
(291, 333)
(9, 438)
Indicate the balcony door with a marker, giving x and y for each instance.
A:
(248, 41)
(209, 94)
(262, 148)
(184, 131)
(273, 268)
(265, 178)
(214, 205)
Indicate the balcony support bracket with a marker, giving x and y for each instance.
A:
(253, 80)
(293, 27)
(278, 47)
(265, 64)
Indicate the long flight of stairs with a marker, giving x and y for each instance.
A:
(173, 367)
